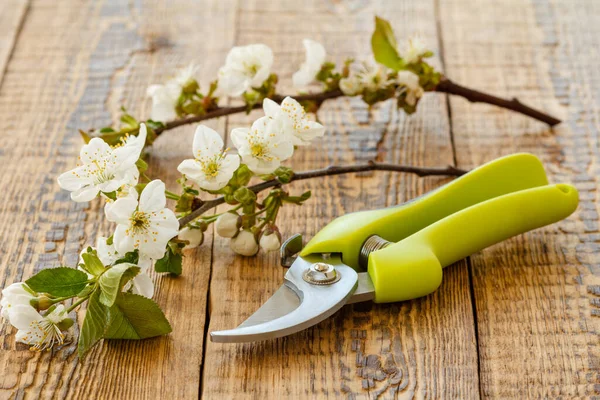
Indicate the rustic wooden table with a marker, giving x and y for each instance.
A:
(520, 319)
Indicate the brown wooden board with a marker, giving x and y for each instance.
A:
(74, 64)
(420, 348)
(536, 295)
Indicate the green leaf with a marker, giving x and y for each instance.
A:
(59, 282)
(171, 262)
(131, 257)
(114, 279)
(92, 263)
(135, 317)
(94, 325)
(298, 199)
(384, 45)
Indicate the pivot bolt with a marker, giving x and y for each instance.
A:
(321, 273)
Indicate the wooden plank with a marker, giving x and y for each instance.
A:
(12, 17)
(96, 56)
(536, 295)
(420, 348)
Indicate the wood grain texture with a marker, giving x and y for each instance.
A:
(96, 55)
(422, 348)
(536, 295)
(12, 17)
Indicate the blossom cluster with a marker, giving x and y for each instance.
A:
(112, 276)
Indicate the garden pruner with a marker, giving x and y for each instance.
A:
(398, 253)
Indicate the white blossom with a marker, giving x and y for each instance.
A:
(370, 76)
(228, 224)
(270, 241)
(292, 120)
(146, 225)
(164, 101)
(409, 82)
(245, 67)
(103, 168)
(126, 191)
(211, 167)
(315, 57)
(264, 146)
(414, 49)
(16, 294)
(165, 97)
(244, 244)
(194, 236)
(186, 75)
(40, 332)
(351, 86)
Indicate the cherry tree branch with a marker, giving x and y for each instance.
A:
(474, 96)
(445, 86)
(318, 98)
(200, 207)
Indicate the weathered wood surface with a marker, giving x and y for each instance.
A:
(519, 320)
(537, 295)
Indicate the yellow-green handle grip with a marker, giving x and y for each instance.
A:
(412, 267)
(347, 234)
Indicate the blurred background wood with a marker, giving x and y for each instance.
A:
(520, 319)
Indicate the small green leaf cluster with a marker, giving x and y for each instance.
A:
(113, 310)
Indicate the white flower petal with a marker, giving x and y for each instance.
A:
(123, 241)
(153, 197)
(85, 194)
(121, 210)
(315, 57)
(191, 169)
(22, 316)
(95, 149)
(271, 108)
(207, 142)
(143, 285)
(73, 180)
(238, 137)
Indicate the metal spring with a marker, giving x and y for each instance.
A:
(373, 243)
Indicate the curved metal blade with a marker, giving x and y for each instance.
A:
(296, 305)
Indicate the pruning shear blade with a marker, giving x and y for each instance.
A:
(297, 304)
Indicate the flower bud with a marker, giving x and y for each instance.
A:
(228, 224)
(195, 237)
(41, 303)
(244, 195)
(270, 240)
(191, 86)
(244, 243)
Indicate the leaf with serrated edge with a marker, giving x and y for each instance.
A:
(94, 325)
(171, 262)
(60, 282)
(136, 317)
(113, 280)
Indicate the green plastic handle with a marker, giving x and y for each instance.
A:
(412, 267)
(347, 234)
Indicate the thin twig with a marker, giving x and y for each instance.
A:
(223, 111)
(474, 96)
(203, 206)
